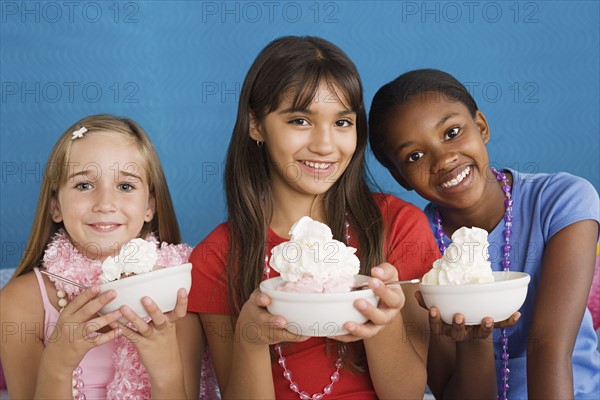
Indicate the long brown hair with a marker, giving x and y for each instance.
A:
(163, 225)
(293, 66)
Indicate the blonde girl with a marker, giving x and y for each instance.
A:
(103, 185)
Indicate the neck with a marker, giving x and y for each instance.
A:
(287, 210)
(486, 214)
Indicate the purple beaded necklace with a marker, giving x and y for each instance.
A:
(287, 374)
(508, 203)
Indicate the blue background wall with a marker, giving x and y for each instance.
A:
(177, 67)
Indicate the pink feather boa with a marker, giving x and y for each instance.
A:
(131, 380)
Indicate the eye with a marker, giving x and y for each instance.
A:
(299, 121)
(83, 186)
(126, 187)
(342, 123)
(414, 157)
(452, 133)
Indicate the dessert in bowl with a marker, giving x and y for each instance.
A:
(462, 282)
(160, 285)
(317, 314)
(134, 274)
(317, 273)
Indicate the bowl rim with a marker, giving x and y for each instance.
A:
(268, 287)
(519, 279)
(131, 280)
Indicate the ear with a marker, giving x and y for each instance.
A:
(400, 179)
(150, 208)
(483, 126)
(255, 129)
(55, 212)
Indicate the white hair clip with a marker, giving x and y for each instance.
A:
(79, 132)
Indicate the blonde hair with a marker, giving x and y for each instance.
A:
(164, 224)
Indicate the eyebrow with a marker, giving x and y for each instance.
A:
(444, 119)
(291, 110)
(87, 172)
(441, 122)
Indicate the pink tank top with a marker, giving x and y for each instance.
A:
(97, 365)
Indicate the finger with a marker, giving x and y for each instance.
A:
(435, 321)
(104, 321)
(390, 297)
(511, 321)
(154, 312)
(180, 310)
(261, 299)
(93, 305)
(420, 300)
(137, 324)
(361, 331)
(385, 271)
(484, 330)
(82, 299)
(100, 339)
(376, 315)
(459, 331)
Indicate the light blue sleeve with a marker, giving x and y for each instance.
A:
(567, 199)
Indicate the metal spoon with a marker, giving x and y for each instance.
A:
(60, 278)
(366, 284)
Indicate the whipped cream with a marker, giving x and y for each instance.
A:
(465, 261)
(312, 261)
(137, 256)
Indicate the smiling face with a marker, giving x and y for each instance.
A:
(308, 149)
(105, 200)
(438, 148)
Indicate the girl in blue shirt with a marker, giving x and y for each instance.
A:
(426, 129)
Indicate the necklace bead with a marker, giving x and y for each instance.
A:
(287, 374)
(506, 248)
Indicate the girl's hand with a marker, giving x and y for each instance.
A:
(156, 340)
(460, 332)
(391, 301)
(256, 325)
(78, 328)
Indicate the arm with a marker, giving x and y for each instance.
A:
(23, 339)
(191, 346)
(397, 355)
(241, 355)
(460, 355)
(396, 364)
(568, 268)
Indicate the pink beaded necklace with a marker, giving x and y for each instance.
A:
(287, 374)
(508, 203)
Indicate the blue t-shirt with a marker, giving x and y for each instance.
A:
(543, 205)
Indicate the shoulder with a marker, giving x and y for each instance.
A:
(215, 243)
(21, 300)
(558, 189)
(390, 205)
(556, 182)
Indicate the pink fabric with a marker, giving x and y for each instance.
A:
(97, 364)
(594, 299)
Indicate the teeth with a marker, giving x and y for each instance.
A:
(457, 180)
(316, 165)
(105, 227)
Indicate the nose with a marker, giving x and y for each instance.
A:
(322, 141)
(105, 200)
(445, 160)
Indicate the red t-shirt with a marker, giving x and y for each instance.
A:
(409, 246)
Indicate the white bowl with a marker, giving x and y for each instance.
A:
(498, 299)
(317, 314)
(160, 285)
